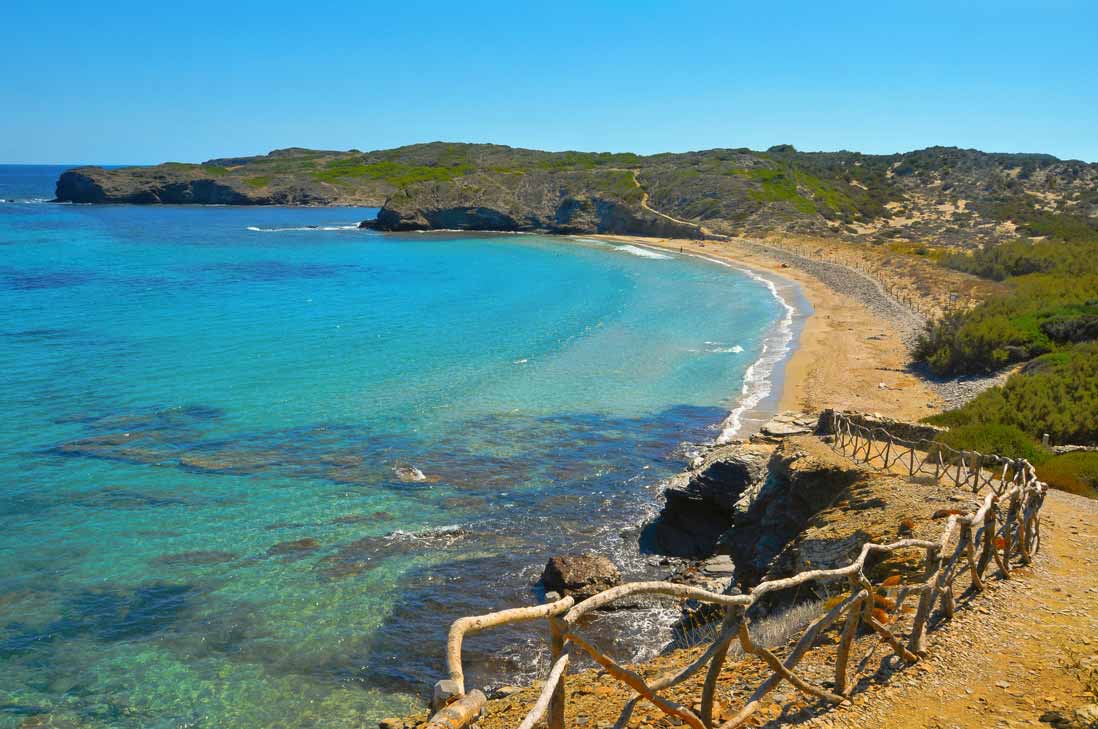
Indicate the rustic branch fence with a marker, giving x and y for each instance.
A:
(1004, 527)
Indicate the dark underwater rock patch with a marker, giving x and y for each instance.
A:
(362, 518)
(33, 281)
(196, 557)
(273, 271)
(230, 461)
(116, 497)
(294, 547)
(111, 615)
(106, 615)
(284, 525)
(365, 554)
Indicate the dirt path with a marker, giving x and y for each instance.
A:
(1002, 661)
(665, 216)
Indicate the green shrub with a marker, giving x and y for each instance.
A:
(1076, 473)
(1051, 299)
(994, 438)
(1055, 394)
(258, 181)
(1009, 327)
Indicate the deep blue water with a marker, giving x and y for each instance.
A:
(211, 415)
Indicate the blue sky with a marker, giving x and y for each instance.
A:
(141, 82)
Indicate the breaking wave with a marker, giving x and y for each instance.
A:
(642, 252)
(258, 229)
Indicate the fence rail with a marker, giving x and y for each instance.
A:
(1005, 527)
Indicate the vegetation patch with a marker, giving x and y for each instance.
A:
(994, 438)
(394, 173)
(560, 161)
(1051, 302)
(1076, 473)
(1056, 394)
(259, 181)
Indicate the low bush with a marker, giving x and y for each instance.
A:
(1076, 473)
(1055, 394)
(1026, 321)
(994, 438)
(1051, 300)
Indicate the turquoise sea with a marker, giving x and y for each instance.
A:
(253, 461)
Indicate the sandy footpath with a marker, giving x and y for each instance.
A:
(847, 356)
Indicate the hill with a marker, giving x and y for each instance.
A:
(953, 196)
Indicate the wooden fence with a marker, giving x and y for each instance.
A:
(1005, 527)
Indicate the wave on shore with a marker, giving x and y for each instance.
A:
(642, 252)
(758, 379)
(257, 229)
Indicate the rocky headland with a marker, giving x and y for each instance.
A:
(956, 196)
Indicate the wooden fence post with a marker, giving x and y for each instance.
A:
(850, 631)
(917, 643)
(709, 688)
(555, 720)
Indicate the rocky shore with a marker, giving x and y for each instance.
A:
(778, 504)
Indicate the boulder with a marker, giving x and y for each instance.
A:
(1085, 717)
(701, 506)
(805, 476)
(580, 575)
(789, 423)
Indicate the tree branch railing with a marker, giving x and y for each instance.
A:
(1005, 527)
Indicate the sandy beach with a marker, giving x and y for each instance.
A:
(847, 356)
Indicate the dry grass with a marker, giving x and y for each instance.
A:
(772, 631)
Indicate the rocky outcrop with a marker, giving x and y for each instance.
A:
(580, 575)
(786, 502)
(700, 505)
(552, 202)
(804, 477)
(185, 185)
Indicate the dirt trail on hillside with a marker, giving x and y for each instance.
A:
(1002, 661)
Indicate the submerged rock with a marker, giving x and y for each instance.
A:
(196, 557)
(410, 474)
(580, 575)
(296, 546)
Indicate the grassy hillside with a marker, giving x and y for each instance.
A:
(962, 198)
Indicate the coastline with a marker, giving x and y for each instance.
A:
(842, 355)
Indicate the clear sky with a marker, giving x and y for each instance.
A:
(144, 82)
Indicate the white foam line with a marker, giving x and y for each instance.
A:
(757, 383)
(319, 228)
(642, 251)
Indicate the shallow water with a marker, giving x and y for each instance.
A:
(212, 419)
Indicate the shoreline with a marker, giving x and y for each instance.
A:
(845, 355)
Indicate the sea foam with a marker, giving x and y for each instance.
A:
(257, 229)
(757, 380)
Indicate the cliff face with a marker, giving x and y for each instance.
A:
(958, 196)
(564, 202)
(774, 510)
(196, 185)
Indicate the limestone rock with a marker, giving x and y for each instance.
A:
(1085, 717)
(580, 575)
(701, 505)
(805, 476)
(789, 423)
